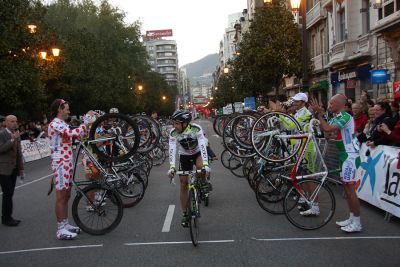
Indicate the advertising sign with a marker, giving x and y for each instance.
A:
(158, 33)
(238, 107)
(380, 76)
(379, 178)
(250, 103)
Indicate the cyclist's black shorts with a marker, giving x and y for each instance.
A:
(186, 162)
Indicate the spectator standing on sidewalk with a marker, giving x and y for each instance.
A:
(360, 118)
(383, 114)
(11, 165)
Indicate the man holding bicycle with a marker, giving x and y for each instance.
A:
(192, 151)
(344, 123)
(60, 136)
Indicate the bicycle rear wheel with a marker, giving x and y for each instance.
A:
(98, 210)
(114, 137)
(318, 196)
(193, 212)
(131, 189)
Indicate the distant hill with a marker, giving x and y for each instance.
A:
(205, 65)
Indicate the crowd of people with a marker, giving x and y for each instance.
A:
(346, 121)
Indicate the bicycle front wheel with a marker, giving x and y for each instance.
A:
(193, 212)
(311, 206)
(97, 210)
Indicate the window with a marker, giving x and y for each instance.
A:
(389, 9)
(342, 25)
(364, 16)
(323, 41)
(313, 46)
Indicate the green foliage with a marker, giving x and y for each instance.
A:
(270, 49)
(102, 60)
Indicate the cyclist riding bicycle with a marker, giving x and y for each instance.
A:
(192, 151)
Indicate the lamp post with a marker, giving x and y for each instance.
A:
(300, 6)
(267, 2)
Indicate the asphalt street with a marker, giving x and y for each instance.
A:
(234, 231)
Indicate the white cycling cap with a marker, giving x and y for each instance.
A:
(300, 97)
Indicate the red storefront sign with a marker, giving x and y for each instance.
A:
(351, 84)
(396, 89)
(158, 33)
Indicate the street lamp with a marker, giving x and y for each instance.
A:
(267, 2)
(298, 6)
(295, 4)
(164, 98)
(140, 87)
(55, 51)
(226, 70)
(216, 88)
(32, 28)
(43, 54)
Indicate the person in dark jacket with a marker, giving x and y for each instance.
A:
(383, 114)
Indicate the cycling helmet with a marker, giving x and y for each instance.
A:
(182, 116)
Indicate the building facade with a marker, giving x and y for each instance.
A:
(163, 58)
(348, 41)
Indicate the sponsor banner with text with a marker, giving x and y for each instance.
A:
(379, 178)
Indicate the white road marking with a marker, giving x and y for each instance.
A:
(34, 181)
(45, 249)
(168, 219)
(216, 135)
(177, 242)
(327, 238)
(31, 182)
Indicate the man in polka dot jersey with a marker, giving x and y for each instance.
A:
(60, 136)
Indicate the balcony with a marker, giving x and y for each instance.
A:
(315, 14)
(319, 62)
(343, 51)
(364, 45)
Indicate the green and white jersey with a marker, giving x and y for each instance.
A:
(345, 122)
(302, 116)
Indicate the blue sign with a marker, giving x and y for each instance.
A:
(250, 103)
(379, 76)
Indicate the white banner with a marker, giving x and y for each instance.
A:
(379, 178)
(29, 150)
(35, 150)
(43, 146)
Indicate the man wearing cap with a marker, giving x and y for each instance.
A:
(303, 117)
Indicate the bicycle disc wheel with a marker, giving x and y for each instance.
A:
(319, 199)
(98, 210)
(114, 137)
(194, 210)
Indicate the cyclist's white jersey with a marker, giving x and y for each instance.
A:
(191, 141)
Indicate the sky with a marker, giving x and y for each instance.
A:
(198, 26)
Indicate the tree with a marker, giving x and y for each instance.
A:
(270, 49)
(21, 90)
